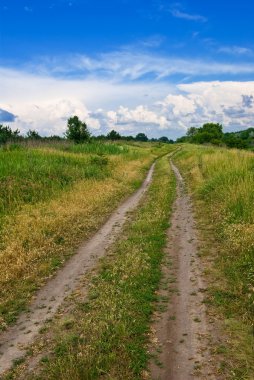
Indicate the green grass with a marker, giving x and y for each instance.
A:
(28, 176)
(106, 336)
(32, 174)
(52, 200)
(222, 182)
(100, 148)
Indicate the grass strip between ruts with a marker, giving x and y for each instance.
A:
(106, 335)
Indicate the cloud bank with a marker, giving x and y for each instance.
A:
(128, 91)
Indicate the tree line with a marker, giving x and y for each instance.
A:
(77, 131)
(212, 133)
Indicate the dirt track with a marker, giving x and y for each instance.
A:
(181, 332)
(14, 341)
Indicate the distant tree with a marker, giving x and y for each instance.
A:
(183, 139)
(54, 138)
(77, 130)
(100, 137)
(212, 133)
(245, 138)
(128, 138)
(202, 137)
(113, 135)
(233, 140)
(33, 135)
(141, 137)
(7, 134)
(192, 131)
(164, 139)
(208, 133)
(213, 128)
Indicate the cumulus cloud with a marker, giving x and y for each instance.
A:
(44, 102)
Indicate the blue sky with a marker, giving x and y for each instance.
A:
(152, 66)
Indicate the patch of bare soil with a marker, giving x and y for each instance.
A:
(181, 335)
(17, 338)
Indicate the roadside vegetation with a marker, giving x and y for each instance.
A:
(51, 200)
(55, 192)
(212, 133)
(105, 334)
(222, 183)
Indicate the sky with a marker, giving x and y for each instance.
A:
(151, 66)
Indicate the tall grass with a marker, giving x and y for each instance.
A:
(99, 148)
(223, 184)
(29, 176)
(50, 201)
(105, 336)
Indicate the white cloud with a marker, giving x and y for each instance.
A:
(187, 16)
(235, 50)
(131, 64)
(44, 103)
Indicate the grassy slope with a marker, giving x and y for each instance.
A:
(105, 335)
(223, 185)
(52, 200)
(30, 175)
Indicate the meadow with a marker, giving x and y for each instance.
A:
(106, 334)
(222, 184)
(53, 197)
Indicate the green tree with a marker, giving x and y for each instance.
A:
(214, 129)
(77, 130)
(164, 139)
(128, 138)
(33, 135)
(7, 134)
(192, 131)
(113, 135)
(141, 137)
(233, 140)
(208, 133)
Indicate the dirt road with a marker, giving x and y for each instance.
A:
(14, 341)
(181, 332)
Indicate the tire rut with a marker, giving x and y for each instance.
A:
(180, 333)
(17, 338)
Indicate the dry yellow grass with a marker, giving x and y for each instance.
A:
(222, 182)
(105, 334)
(40, 237)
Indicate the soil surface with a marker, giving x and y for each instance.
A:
(180, 333)
(17, 338)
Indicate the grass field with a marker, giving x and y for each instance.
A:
(106, 336)
(222, 182)
(52, 199)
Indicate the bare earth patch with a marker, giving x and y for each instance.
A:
(181, 331)
(16, 339)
